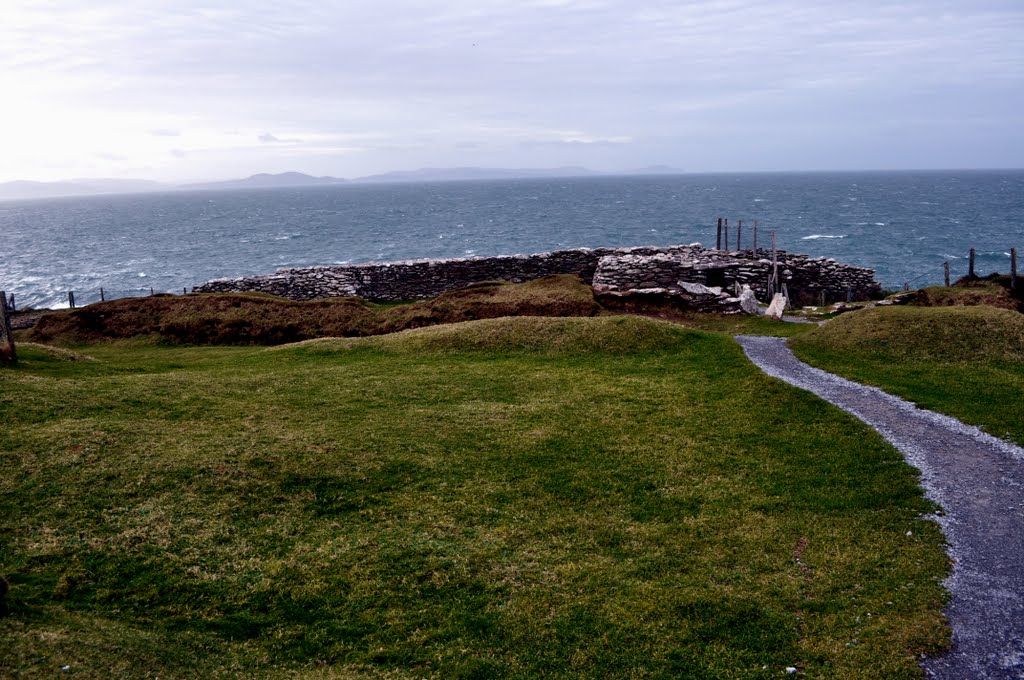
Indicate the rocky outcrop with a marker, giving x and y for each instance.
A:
(612, 271)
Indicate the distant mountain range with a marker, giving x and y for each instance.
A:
(23, 189)
(462, 174)
(267, 181)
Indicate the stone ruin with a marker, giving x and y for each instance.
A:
(696, 277)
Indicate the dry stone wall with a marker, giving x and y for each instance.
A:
(806, 278)
(609, 270)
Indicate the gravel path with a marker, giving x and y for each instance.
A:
(978, 480)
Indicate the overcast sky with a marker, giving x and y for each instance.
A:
(183, 90)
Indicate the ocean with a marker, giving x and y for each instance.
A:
(902, 224)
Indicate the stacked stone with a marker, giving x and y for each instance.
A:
(608, 269)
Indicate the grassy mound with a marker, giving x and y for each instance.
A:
(250, 319)
(653, 508)
(607, 334)
(968, 334)
(993, 291)
(967, 362)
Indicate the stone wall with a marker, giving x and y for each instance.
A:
(608, 269)
(806, 278)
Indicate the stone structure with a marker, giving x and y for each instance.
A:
(660, 270)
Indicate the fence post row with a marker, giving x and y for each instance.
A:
(718, 241)
(739, 235)
(7, 352)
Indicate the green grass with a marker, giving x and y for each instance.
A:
(967, 362)
(600, 497)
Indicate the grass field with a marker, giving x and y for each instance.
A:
(530, 497)
(967, 362)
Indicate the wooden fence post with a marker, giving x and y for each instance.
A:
(775, 265)
(755, 236)
(71, 299)
(102, 297)
(725, 233)
(970, 266)
(739, 235)
(10, 305)
(718, 243)
(7, 352)
(945, 272)
(1013, 268)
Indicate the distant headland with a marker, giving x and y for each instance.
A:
(26, 189)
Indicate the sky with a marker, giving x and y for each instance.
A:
(182, 90)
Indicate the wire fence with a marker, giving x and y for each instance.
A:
(971, 270)
(80, 298)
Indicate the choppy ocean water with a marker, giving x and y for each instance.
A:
(902, 224)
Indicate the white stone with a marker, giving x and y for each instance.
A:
(698, 289)
(777, 307)
(748, 301)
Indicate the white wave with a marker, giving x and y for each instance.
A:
(758, 200)
(879, 224)
(142, 275)
(817, 236)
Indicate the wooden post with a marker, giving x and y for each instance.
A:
(7, 352)
(849, 294)
(755, 236)
(718, 243)
(970, 266)
(71, 299)
(945, 272)
(10, 305)
(821, 298)
(1013, 268)
(739, 235)
(725, 233)
(184, 291)
(151, 291)
(102, 299)
(785, 294)
(775, 264)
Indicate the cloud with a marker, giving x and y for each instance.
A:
(540, 78)
(268, 138)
